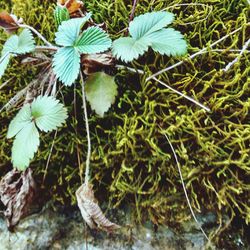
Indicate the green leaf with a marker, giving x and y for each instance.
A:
(66, 65)
(4, 61)
(68, 31)
(22, 119)
(101, 91)
(168, 42)
(148, 23)
(148, 31)
(48, 113)
(93, 40)
(61, 14)
(25, 146)
(127, 49)
(24, 43)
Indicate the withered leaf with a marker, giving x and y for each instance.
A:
(8, 22)
(17, 191)
(72, 5)
(95, 62)
(90, 210)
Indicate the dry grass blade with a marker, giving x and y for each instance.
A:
(90, 210)
(17, 191)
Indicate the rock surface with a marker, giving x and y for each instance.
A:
(54, 230)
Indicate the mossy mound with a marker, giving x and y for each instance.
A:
(131, 160)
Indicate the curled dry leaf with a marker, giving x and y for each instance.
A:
(90, 210)
(9, 22)
(72, 5)
(96, 62)
(17, 191)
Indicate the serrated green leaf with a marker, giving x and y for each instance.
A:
(4, 61)
(24, 43)
(66, 65)
(168, 42)
(148, 23)
(61, 14)
(93, 40)
(148, 30)
(22, 119)
(25, 146)
(48, 113)
(101, 91)
(68, 31)
(128, 49)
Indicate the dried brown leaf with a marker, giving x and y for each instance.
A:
(90, 210)
(72, 5)
(95, 62)
(8, 22)
(17, 191)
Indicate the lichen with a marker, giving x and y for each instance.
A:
(131, 161)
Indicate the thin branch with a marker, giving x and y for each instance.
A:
(183, 95)
(184, 188)
(5, 83)
(132, 15)
(238, 57)
(37, 33)
(46, 48)
(194, 55)
(87, 176)
(49, 157)
(139, 71)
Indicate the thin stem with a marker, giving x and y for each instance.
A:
(184, 188)
(183, 95)
(194, 55)
(49, 157)
(132, 15)
(164, 84)
(45, 48)
(238, 57)
(87, 131)
(37, 33)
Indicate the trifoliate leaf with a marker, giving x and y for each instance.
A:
(48, 113)
(148, 23)
(25, 146)
(61, 14)
(4, 61)
(22, 119)
(66, 65)
(93, 40)
(69, 31)
(148, 30)
(168, 42)
(24, 43)
(101, 91)
(127, 49)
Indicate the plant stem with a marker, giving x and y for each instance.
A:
(238, 57)
(183, 95)
(44, 48)
(86, 180)
(37, 33)
(132, 15)
(184, 188)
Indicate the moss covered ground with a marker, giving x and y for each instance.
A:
(131, 160)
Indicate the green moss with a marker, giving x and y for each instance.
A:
(131, 161)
